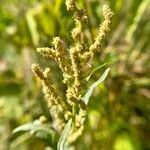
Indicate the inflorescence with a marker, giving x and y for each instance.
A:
(73, 75)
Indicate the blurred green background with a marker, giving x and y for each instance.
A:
(119, 110)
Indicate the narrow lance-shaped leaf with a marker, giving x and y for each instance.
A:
(32, 25)
(64, 135)
(25, 127)
(34, 127)
(97, 68)
(92, 87)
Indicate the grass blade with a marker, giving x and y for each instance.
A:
(97, 68)
(92, 87)
(64, 135)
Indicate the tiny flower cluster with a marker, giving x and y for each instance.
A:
(73, 75)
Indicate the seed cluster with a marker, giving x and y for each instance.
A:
(73, 75)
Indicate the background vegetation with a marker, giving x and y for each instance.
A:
(119, 110)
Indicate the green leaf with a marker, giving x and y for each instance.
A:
(92, 87)
(144, 4)
(34, 127)
(40, 130)
(32, 25)
(19, 140)
(64, 135)
(97, 68)
(25, 127)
